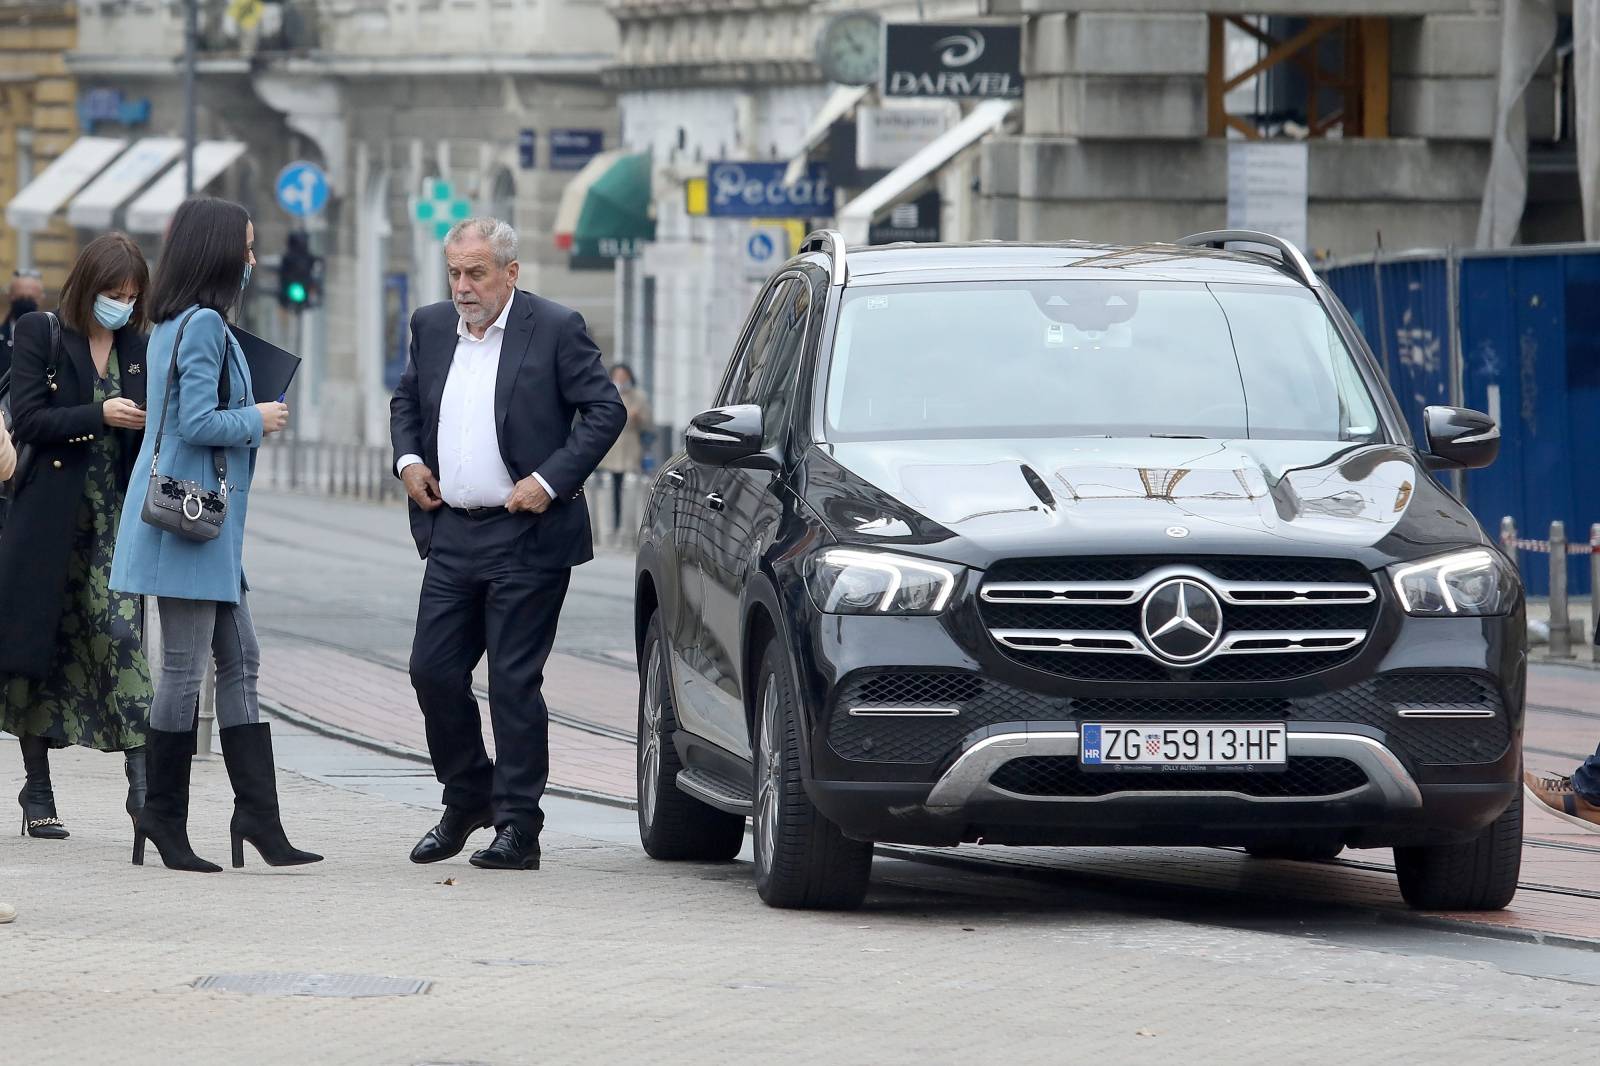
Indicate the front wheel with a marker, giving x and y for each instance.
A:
(672, 824)
(802, 859)
(1480, 875)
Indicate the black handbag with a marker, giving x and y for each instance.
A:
(25, 452)
(185, 508)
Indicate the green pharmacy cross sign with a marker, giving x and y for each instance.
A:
(442, 208)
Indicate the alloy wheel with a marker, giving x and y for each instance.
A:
(769, 776)
(650, 757)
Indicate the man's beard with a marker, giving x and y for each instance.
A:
(475, 314)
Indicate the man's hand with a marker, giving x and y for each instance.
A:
(422, 486)
(529, 496)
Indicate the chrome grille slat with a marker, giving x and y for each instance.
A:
(1087, 611)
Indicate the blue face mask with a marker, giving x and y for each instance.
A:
(112, 314)
(245, 281)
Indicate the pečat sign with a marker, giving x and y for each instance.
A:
(952, 62)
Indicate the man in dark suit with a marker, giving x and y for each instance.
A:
(486, 443)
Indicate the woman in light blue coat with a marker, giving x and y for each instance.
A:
(200, 404)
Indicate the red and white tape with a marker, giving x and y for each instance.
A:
(1543, 547)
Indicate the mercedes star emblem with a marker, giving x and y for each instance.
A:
(1178, 532)
(1182, 620)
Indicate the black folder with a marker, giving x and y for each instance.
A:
(271, 368)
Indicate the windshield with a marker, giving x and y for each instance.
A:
(1093, 358)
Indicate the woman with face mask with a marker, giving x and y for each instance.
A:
(72, 665)
(207, 423)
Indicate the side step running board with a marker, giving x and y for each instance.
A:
(717, 791)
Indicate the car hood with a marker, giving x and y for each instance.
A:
(975, 501)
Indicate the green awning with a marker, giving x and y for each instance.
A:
(606, 212)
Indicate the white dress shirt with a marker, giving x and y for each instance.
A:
(471, 470)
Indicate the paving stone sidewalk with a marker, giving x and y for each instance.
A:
(607, 957)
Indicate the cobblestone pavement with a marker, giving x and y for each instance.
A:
(607, 957)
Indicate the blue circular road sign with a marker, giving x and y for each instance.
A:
(302, 189)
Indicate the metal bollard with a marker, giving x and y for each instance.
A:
(634, 489)
(208, 712)
(591, 495)
(1508, 540)
(1560, 623)
(1594, 584)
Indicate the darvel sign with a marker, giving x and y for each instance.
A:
(952, 62)
(756, 190)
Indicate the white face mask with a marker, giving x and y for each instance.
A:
(112, 314)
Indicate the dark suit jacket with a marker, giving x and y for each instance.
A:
(550, 373)
(62, 425)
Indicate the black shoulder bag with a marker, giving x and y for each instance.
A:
(184, 508)
(25, 452)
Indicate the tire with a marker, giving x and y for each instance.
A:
(672, 824)
(1480, 875)
(802, 859)
(1296, 851)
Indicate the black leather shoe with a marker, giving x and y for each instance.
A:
(512, 850)
(446, 839)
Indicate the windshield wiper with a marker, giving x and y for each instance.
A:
(1181, 436)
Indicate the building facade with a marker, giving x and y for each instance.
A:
(38, 121)
(417, 113)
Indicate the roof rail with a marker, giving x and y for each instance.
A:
(1294, 263)
(831, 243)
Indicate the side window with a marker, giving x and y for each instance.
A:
(776, 390)
(744, 381)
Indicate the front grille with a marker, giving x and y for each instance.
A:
(1304, 777)
(1081, 618)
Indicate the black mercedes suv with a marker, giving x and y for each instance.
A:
(1073, 544)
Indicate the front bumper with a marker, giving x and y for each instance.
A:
(931, 780)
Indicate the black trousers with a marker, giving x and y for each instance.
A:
(484, 591)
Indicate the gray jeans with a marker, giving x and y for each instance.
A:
(190, 631)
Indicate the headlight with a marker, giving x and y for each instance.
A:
(1468, 583)
(846, 581)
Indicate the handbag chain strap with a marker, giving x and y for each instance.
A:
(219, 461)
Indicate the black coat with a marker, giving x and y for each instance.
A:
(62, 425)
(550, 371)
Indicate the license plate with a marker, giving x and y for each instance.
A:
(1158, 746)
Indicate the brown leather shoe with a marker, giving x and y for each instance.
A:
(1556, 795)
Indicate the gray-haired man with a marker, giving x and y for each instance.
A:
(485, 440)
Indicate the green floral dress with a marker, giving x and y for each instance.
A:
(98, 692)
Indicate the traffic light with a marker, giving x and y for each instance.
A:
(299, 275)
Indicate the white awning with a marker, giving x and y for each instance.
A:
(856, 219)
(151, 212)
(30, 209)
(96, 206)
(836, 107)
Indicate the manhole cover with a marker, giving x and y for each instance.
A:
(335, 985)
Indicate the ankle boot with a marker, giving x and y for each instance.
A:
(247, 749)
(133, 766)
(164, 818)
(37, 799)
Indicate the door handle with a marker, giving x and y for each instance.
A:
(717, 503)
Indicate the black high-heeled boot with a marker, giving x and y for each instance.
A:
(37, 799)
(164, 818)
(247, 749)
(133, 766)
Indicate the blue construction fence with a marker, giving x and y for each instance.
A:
(1515, 334)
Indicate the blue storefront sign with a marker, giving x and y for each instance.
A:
(572, 149)
(109, 105)
(527, 149)
(396, 332)
(756, 190)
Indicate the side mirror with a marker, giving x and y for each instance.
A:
(729, 436)
(1458, 437)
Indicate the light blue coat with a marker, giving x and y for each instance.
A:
(148, 561)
